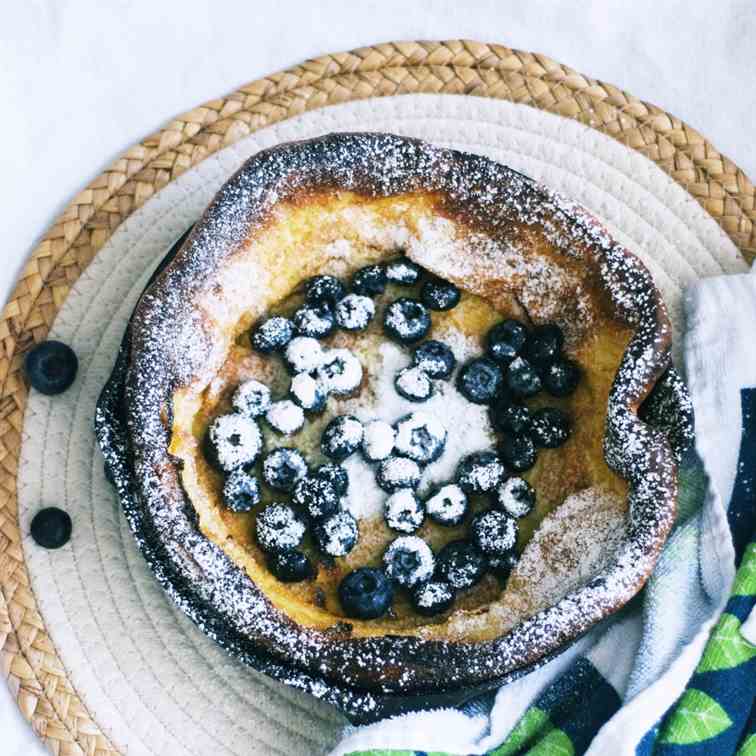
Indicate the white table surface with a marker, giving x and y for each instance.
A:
(82, 80)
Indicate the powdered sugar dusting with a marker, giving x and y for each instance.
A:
(176, 340)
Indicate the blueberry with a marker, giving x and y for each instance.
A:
(516, 497)
(460, 564)
(406, 320)
(505, 341)
(317, 496)
(480, 380)
(480, 472)
(413, 384)
(550, 427)
(320, 289)
(336, 535)
(432, 597)
(448, 505)
(434, 358)
(304, 354)
(403, 271)
(377, 440)
(285, 416)
(51, 367)
(273, 334)
(494, 532)
(290, 566)
(251, 398)
(561, 377)
(421, 437)
(502, 565)
(408, 561)
(334, 474)
(523, 379)
(340, 372)
(283, 467)
(510, 418)
(308, 393)
(439, 295)
(369, 281)
(518, 452)
(341, 437)
(233, 441)
(241, 491)
(354, 312)
(51, 528)
(279, 528)
(314, 320)
(403, 511)
(365, 593)
(398, 472)
(544, 344)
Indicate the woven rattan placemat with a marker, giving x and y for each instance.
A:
(27, 655)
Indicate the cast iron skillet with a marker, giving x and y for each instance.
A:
(667, 408)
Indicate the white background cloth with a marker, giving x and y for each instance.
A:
(81, 81)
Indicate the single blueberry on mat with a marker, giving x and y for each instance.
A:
(51, 367)
(365, 593)
(51, 528)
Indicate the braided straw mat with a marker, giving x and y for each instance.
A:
(98, 659)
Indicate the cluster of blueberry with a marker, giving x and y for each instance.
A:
(433, 580)
(516, 367)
